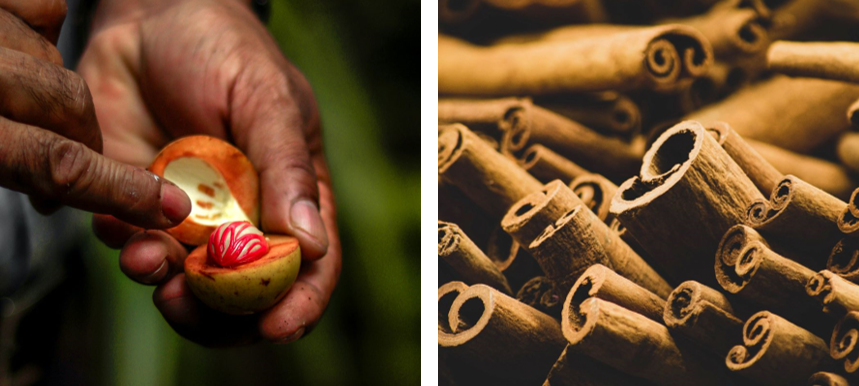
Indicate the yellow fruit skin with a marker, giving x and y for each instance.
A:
(247, 288)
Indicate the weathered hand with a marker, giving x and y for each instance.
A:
(166, 69)
(50, 142)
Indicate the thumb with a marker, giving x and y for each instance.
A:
(49, 166)
(272, 121)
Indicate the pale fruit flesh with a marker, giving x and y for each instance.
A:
(247, 288)
(212, 203)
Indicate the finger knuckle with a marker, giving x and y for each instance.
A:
(70, 164)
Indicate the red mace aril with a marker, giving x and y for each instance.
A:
(235, 243)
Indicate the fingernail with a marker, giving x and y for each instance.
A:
(175, 204)
(291, 338)
(305, 217)
(156, 276)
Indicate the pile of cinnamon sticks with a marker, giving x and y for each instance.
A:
(653, 192)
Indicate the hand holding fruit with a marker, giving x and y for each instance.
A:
(158, 72)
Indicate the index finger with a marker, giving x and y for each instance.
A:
(41, 163)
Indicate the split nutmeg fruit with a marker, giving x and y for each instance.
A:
(236, 268)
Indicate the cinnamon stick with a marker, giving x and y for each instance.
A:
(802, 217)
(842, 346)
(634, 344)
(489, 116)
(499, 335)
(830, 177)
(530, 216)
(823, 378)
(596, 192)
(767, 279)
(762, 173)
(671, 209)
(575, 239)
(777, 352)
(731, 31)
(703, 315)
(540, 293)
(590, 150)
(450, 368)
(837, 295)
(511, 259)
(796, 114)
(844, 259)
(825, 60)
(546, 165)
(489, 179)
(469, 262)
(634, 58)
(608, 112)
(598, 281)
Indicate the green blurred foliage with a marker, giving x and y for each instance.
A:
(362, 60)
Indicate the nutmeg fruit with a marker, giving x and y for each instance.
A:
(235, 269)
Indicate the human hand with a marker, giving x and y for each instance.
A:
(159, 70)
(50, 142)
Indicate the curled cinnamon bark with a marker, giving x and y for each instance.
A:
(574, 240)
(596, 192)
(845, 336)
(796, 114)
(607, 112)
(469, 262)
(499, 335)
(590, 150)
(837, 295)
(823, 378)
(777, 352)
(530, 216)
(844, 259)
(731, 31)
(489, 179)
(671, 209)
(703, 315)
(546, 165)
(801, 217)
(624, 58)
(634, 344)
(759, 275)
(598, 281)
(489, 116)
